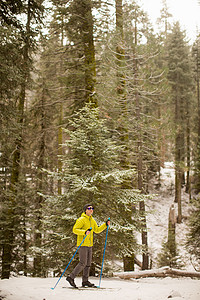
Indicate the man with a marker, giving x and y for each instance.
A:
(85, 225)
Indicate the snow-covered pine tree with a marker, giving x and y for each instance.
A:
(32, 14)
(196, 58)
(181, 83)
(193, 237)
(169, 255)
(91, 174)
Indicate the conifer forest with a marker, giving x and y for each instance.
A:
(93, 103)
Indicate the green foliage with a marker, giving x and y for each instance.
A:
(193, 237)
(91, 174)
(17, 40)
(169, 256)
(9, 11)
(10, 72)
(197, 170)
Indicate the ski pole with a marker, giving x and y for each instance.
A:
(103, 255)
(70, 261)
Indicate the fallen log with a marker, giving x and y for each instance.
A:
(162, 272)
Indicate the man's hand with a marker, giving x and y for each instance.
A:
(87, 232)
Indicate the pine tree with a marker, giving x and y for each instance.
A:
(8, 239)
(193, 237)
(169, 254)
(127, 79)
(43, 151)
(128, 260)
(180, 79)
(91, 174)
(165, 15)
(10, 81)
(80, 33)
(143, 89)
(164, 131)
(196, 58)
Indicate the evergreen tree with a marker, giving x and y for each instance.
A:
(193, 237)
(80, 33)
(128, 260)
(42, 151)
(169, 254)
(165, 15)
(91, 174)
(180, 79)
(128, 83)
(10, 11)
(196, 58)
(143, 84)
(33, 9)
(11, 74)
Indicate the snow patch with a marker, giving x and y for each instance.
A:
(26, 288)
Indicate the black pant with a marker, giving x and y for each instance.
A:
(85, 259)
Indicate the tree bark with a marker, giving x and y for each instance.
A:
(89, 51)
(197, 175)
(140, 162)
(39, 199)
(128, 260)
(162, 272)
(188, 188)
(171, 241)
(178, 171)
(60, 118)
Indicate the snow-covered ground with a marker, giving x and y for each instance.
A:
(157, 219)
(23, 288)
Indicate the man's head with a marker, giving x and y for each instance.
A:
(88, 209)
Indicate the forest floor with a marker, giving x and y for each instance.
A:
(157, 219)
(27, 288)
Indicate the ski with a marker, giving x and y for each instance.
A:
(96, 288)
(88, 287)
(81, 288)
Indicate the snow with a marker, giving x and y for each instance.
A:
(26, 288)
(157, 219)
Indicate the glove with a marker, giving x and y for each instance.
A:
(108, 222)
(89, 229)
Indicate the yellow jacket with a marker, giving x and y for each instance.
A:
(82, 224)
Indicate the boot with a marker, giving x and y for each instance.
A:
(71, 281)
(87, 284)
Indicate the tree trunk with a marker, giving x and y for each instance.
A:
(145, 260)
(178, 144)
(140, 173)
(9, 227)
(39, 199)
(145, 256)
(89, 51)
(128, 261)
(24, 239)
(60, 118)
(162, 272)
(188, 188)
(172, 231)
(120, 58)
(197, 171)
